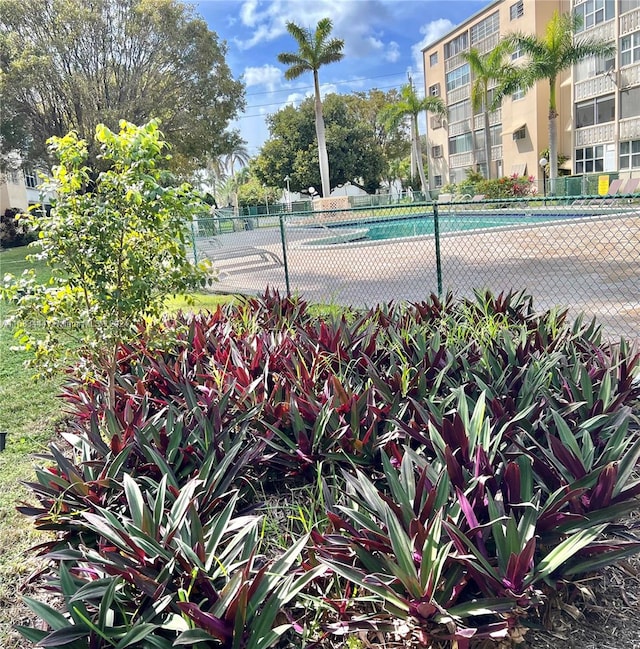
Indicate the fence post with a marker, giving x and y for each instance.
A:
(436, 234)
(193, 243)
(284, 253)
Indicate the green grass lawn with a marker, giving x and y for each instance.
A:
(31, 413)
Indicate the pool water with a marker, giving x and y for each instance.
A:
(412, 227)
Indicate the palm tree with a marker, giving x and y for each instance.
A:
(314, 50)
(410, 106)
(549, 55)
(239, 155)
(487, 68)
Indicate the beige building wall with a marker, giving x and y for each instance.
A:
(13, 191)
(519, 127)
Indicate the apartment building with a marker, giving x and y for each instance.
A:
(19, 190)
(519, 128)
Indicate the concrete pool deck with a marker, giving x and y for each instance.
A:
(587, 265)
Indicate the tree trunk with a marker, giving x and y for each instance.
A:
(553, 137)
(418, 154)
(413, 164)
(487, 141)
(323, 159)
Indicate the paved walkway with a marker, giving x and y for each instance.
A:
(588, 265)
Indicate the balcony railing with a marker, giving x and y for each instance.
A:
(595, 134)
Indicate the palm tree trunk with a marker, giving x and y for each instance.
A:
(418, 154)
(323, 159)
(553, 137)
(413, 164)
(487, 141)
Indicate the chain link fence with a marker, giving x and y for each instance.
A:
(579, 253)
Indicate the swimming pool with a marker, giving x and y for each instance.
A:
(424, 225)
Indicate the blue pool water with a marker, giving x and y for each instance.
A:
(423, 225)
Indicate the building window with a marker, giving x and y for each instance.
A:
(516, 54)
(495, 133)
(485, 28)
(437, 181)
(595, 111)
(594, 12)
(630, 103)
(434, 90)
(460, 111)
(516, 10)
(456, 45)
(460, 143)
(593, 67)
(458, 77)
(520, 134)
(629, 154)
(517, 95)
(436, 151)
(628, 5)
(630, 48)
(590, 159)
(30, 179)
(433, 59)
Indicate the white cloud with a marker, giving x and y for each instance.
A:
(393, 52)
(266, 75)
(431, 32)
(357, 22)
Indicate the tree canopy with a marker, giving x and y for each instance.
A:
(356, 155)
(69, 65)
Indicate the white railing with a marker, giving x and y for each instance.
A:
(593, 87)
(595, 134)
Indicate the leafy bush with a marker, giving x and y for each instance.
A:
(13, 232)
(461, 458)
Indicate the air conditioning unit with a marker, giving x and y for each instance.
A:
(436, 121)
(436, 151)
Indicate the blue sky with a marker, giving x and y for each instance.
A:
(383, 40)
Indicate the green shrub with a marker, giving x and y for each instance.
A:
(461, 457)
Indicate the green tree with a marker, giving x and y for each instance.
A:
(410, 106)
(115, 242)
(291, 150)
(486, 69)
(314, 50)
(393, 142)
(548, 56)
(70, 65)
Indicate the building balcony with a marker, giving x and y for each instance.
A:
(454, 62)
(599, 85)
(630, 76)
(630, 22)
(496, 153)
(488, 43)
(602, 31)
(495, 117)
(598, 134)
(630, 129)
(457, 128)
(461, 160)
(459, 94)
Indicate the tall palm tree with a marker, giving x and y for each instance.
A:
(487, 68)
(239, 155)
(410, 106)
(314, 50)
(549, 55)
